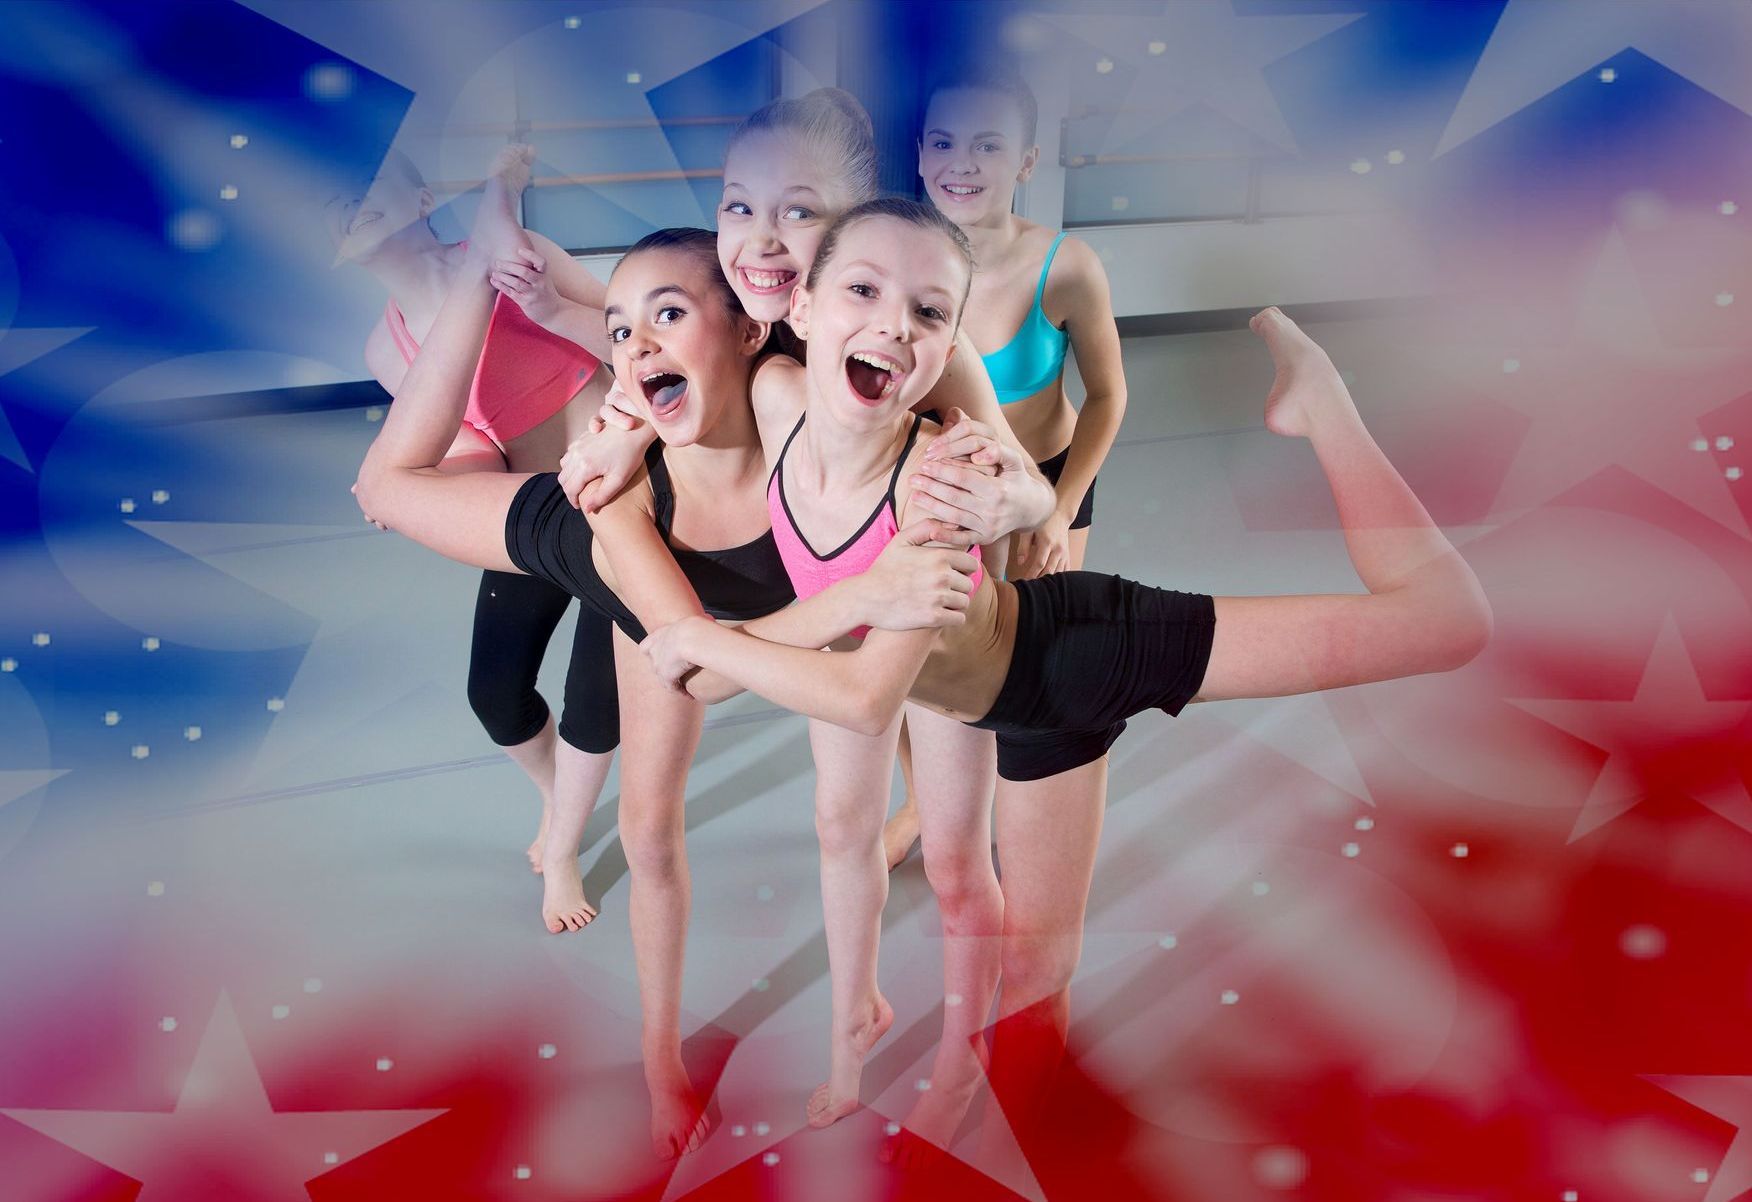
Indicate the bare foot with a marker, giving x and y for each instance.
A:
(497, 232)
(563, 907)
(1306, 383)
(535, 853)
(937, 1115)
(837, 1097)
(900, 833)
(680, 1119)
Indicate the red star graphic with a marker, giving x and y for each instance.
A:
(1729, 1099)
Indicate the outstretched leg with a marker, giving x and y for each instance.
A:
(1424, 611)
(851, 793)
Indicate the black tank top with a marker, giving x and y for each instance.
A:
(738, 583)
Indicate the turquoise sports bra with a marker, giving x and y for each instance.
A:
(1035, 357)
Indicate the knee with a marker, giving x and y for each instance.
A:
(964, 882)
(655, 850)
(1037, 967)
(845, 830)
(510, 712)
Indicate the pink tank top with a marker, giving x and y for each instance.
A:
(810, 572)
(525, 375)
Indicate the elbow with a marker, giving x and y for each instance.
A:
(875, 712)
(1468, 627)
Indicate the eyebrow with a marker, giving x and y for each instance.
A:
(929, 288)
(984, 133)
(794, 189)
(652, 295)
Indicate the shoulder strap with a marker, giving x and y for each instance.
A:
(662, 495)
(1045, 268)
(912, 436)
(786, 449)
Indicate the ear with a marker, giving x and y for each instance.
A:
(1029, 162)
(428, 202)
(919, 146)
(754, 336)
(800, 311)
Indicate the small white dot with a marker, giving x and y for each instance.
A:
(149, 643)
(923, 1085)
(1700, 444)
(192, 733)
(160, 496)
(1607, 75)
(1396, 157)
(764, 893)
(634, 77)
(1361, 166)
(374, 413)
(1570, 1195)
(761, 985)
(1365, 823)
(110, 717)
(762, 1128)
(1121, 203)
(1511, 366)
(1733, 473)
(770, 1159)
(1459, 851)
(276, 704)
(1641, 941)
(1351, 851)
(1103, 66)
(521, 1172)
(1168, 942)
(892, 1128)
(1727, 208)
(1158, 47)
(40, 639)
(547, 1051)
(952, 999)
(140, 751)
(738, 1130)
(154, 888)
(1724, 299)
(8, 664)
(1701, 1176)
(281, 1011)
(1261, 888)
(167, 1023)
(312, 984)
(228, 192)
(384, 1064)
(239, 141)
(573, 22)
(331, 1158)
(1724, 442)
(127, 505)
(1280, 1167)
(1230, 997)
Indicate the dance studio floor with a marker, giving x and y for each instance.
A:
(1339, 947)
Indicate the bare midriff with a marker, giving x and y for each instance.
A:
(965, 671)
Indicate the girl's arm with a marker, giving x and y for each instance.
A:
(557, 293)
(1088, 310)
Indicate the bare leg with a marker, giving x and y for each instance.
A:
(851, 775)
(1048, 834)
(536, 758)
(1424, 611)
(657, 750)
(578, 777)
(901, 830)
(959, 771)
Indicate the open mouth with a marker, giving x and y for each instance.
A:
(871, 376)
(962, 191)
(369, 217)
(760, 280)
(664, 390)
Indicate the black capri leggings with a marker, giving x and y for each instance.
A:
(515, 616)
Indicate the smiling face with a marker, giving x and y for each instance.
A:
(880, 319)
(360, 220)
(779, 199)
(972, 154)
(678, 349)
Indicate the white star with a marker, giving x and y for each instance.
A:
(1668, 737)
(223, 1132)
(1209, 55)
(1540, 45)
(1729, 1099)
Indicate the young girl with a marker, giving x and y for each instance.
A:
(681, 343)
(1036, 293)
(1056, 664)
(535, 386)
(789, 170)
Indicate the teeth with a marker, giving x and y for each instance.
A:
(876, 361)
(961, 190)
(767, 279)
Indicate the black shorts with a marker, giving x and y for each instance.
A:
(1091, 651)
(1052, 469)
(548, 539)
